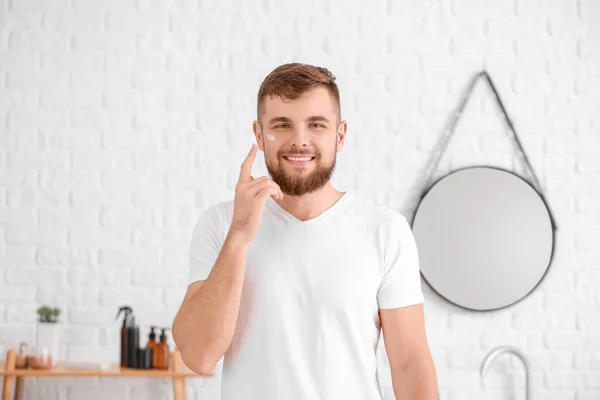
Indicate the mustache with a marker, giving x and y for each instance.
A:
(298, 153)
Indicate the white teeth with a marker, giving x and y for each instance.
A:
(299, 158)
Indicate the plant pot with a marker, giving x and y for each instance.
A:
(47, 343)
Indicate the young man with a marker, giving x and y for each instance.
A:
(293, 280)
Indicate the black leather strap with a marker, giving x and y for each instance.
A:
(453, 121)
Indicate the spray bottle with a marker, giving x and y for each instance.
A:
(127, 311)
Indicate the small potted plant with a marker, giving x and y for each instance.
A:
(45, 354)
(48, 315)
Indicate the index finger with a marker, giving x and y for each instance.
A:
(247, 164)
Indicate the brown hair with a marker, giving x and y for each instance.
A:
(292, 80)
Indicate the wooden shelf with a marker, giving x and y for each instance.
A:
(178, 373)
(60, 370)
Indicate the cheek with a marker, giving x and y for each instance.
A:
(271, 151)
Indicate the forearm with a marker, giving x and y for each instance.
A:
(415, 381)
(205, 324)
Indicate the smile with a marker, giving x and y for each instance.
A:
(298, 160)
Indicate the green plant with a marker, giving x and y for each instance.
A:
(48, 315)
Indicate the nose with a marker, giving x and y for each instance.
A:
(300, 137)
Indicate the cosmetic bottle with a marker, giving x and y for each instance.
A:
(152, 344)
(133, 343)
(162, 349)
(144, 360)
(127, 311)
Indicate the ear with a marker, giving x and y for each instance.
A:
(341, 136)
(258, 135)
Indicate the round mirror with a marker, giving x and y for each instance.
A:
(485, 238)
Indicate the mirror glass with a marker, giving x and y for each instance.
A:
(485, 238)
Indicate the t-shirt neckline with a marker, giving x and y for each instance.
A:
(274, 205)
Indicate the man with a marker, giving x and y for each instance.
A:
(293, 280)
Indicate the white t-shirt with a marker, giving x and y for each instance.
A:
(308, 326)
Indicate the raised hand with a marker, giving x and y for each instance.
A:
(250, 197)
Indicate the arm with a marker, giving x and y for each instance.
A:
(413, 371)
(205, 323)
(204, 326)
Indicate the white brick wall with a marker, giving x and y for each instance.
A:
(122, 120)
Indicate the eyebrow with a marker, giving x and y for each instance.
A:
(310, 119)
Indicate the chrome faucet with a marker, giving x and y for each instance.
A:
(507, 349)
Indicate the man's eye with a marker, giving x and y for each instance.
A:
(279, 126)
(319, 125)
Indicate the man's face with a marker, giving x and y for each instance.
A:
(300, 139)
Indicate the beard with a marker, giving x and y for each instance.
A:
(296, 184)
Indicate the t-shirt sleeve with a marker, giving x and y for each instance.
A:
(401, 282)
(205, 245)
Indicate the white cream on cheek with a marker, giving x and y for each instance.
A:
(270, 137)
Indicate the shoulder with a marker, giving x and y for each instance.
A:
(218, 209)
(377, 213)
(217, 216)
(224, 209)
